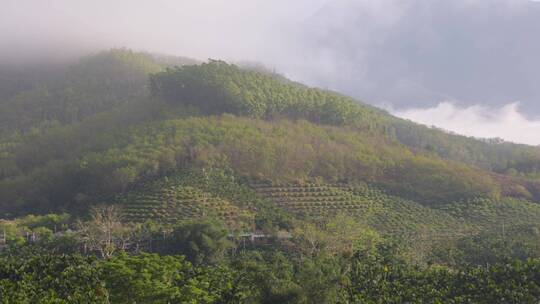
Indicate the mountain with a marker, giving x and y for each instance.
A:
(131, 176)
(129, 128)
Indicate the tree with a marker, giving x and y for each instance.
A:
(33, 276)
(201, 242)
(105, 232)
(338, 235)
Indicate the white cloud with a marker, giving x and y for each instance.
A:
(480, 121)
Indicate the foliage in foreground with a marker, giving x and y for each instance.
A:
(337, 260)
(369, 276)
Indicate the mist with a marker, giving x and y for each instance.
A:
(506, 122)
(245, 30)
(409, 55)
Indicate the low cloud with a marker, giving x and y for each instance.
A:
(220, 29)
(506, 122)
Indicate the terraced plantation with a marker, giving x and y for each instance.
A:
(395, 214)
(493, 214)
(383, 212)
(173, 203)
(313, 199)
(192, 195)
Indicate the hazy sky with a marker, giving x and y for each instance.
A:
(239, 29)
(463, 65)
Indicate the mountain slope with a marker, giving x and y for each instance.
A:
(136, 147)
(71, 92)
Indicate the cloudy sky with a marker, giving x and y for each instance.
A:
(470, 66)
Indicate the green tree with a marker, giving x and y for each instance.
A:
(29, 276)
(201, 242)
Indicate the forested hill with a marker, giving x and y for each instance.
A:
(246, 187)
(119, 119)
(260, 95)
(35, 97)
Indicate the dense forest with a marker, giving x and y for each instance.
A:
(132, 177)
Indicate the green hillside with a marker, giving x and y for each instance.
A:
(246, 187)
(136, 122)
(385, 213)
(176, 203)
(264, 95)
(489, 154)
(259, 125)
(61, 94)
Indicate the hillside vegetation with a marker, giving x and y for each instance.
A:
(174, 181)
(281, 131)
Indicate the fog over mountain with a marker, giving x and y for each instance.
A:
(415, 57)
